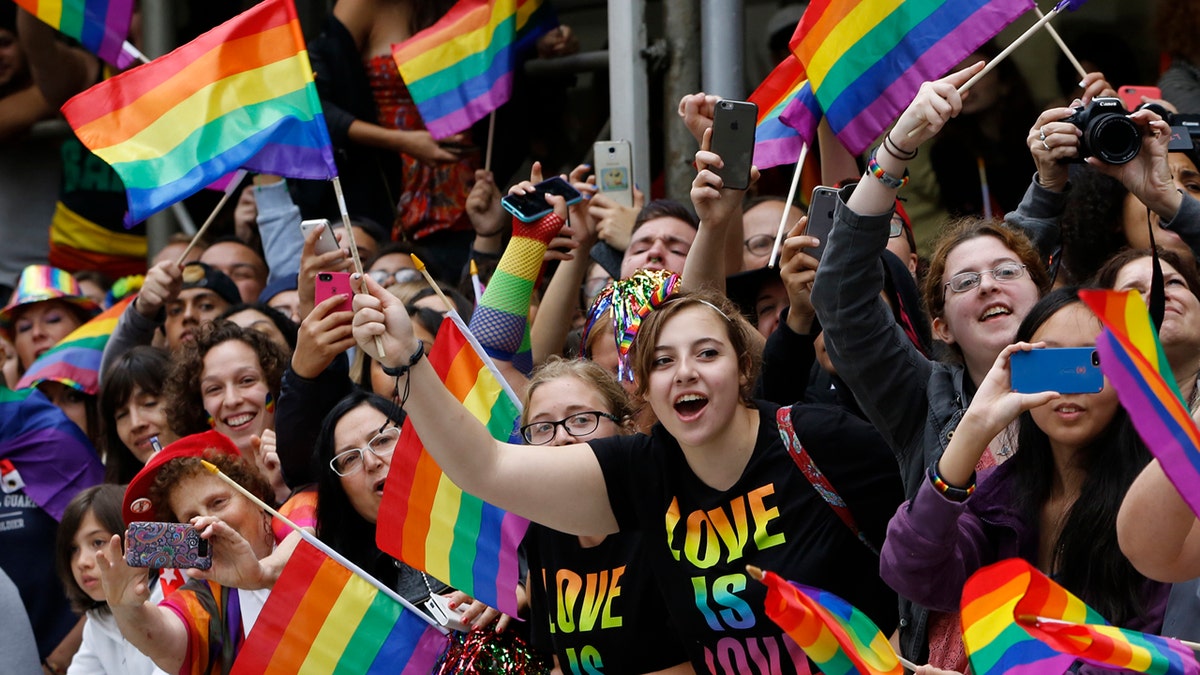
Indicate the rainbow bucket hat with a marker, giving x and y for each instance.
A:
(39, 283)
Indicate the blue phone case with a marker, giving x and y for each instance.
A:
(1066, 370)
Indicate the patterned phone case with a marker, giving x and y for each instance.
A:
(166, 545)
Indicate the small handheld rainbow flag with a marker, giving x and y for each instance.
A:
(1132, 359)
(99, 25)
(429, 522)
(1031, 603)
(75, 360)
(241, 95)
(321, 618)
(776, 143)
(833, 633)
(461, 68)
(866, 58)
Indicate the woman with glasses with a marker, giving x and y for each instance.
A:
(982, 279)
(570, 402)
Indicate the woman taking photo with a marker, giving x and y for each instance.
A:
(716, 468)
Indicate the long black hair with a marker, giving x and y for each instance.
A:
(1087, 560)
(143, 367)
(338, 524)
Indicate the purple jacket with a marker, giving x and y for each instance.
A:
(934, 545)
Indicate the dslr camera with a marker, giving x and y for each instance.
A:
(1108, 133)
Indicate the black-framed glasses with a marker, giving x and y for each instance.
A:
(382, 446)
(759, 244)
(386, 278)
(1004, 273)
(895, 228)
(578, 424)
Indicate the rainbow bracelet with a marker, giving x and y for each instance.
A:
(950, 492)
(884, 177)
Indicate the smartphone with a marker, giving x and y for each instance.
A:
(613, 161)
(532, 207)
(439, 608)
(166, 545)
(820, 217)
(1131, 96)
(1066, 370)
(326, 243)
(329, 284)
(733, 140)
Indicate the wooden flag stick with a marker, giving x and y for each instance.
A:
(432, 283)
(487, 157)
(320, 545)
(349, 230)
(756, 573)
(997, 59)
(787, 208)
(136, 53)
(229, 190)
(1063, 46)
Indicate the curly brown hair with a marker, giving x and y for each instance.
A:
(185, 405)
(737, 329)
(933, 290)
(240, 469)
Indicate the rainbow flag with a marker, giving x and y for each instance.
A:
(866, 58)
(833, 633)
(1132, 359)
(461, 68)
(75, 361)
(241, 95)
(322, 618)
(425, 519)
(776, 143)
(1062, 622)
(99, 25)
(52, 455)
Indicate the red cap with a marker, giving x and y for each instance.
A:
(137, 505)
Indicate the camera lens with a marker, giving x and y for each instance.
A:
(612, 150)
(1113, 138)
(325, 276)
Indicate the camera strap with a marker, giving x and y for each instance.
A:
(1158, 300)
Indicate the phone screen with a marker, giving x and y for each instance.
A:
(529, 208)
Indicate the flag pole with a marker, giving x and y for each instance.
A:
(349, 230)
(136, 53)
(432, 283)
(229, 190)
(320, 545)
(1063, 46)
(756, 573)
(787, 208)
(1036, 620)
(487, 157)
(996, 60)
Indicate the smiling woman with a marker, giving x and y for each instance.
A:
(716, 469)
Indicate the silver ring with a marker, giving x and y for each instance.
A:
(1045, 146)
(1042, 135)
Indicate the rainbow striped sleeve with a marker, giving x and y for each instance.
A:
(321, 619)
(241, 95)
(866, 58)
(1030, 624)
(99, 25)
(425, 519)
(833, 633)
(461, 68)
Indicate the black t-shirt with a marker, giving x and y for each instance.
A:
(772, 517)
(598, 609)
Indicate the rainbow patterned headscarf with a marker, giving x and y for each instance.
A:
(629, 301)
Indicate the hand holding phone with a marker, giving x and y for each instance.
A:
(529, 208)
(1066, 370)
(326, 243)
(733, 139)
(329, 284)
(613, 161)
(166, 546)
(820, 217)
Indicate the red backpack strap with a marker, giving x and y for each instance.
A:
(803, 460)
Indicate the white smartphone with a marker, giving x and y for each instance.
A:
(614, 170)
(327, 243)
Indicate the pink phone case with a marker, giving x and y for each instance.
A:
(166, 545)
(329, 284)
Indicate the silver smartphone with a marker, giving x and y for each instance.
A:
(327, 243)
(613, 161)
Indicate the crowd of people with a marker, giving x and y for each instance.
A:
(846, 420)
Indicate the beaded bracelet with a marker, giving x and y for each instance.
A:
(884, 177)
(952, 493)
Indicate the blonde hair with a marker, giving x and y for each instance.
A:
(618, 402)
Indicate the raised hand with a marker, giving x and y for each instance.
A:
(798, 269)
(311, 263)
(124, 586)
(162, 285)
(378, 313)
(323, 334)
(696, 111)
(1053, 142)
(935, 104)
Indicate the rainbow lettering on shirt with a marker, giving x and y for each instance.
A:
(585, 602)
